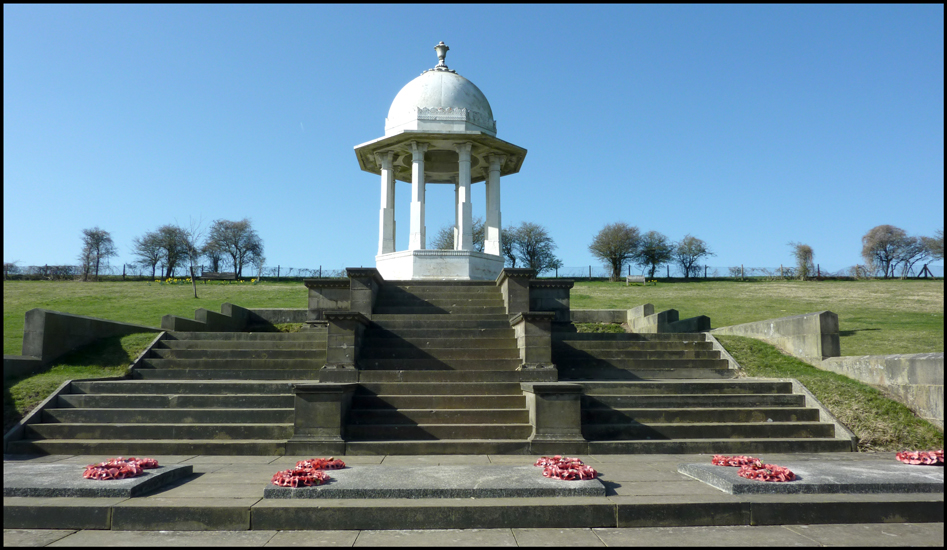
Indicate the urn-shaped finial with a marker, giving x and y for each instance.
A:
(441, 50)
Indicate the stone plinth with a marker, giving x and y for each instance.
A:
(454, 265)
(29, 479)
(380, 482)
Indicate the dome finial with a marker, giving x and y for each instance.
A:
(441, 50)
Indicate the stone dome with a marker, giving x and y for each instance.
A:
(440, 100)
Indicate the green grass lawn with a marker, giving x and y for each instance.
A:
(876, 317)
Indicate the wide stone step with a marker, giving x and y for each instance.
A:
(414, 353)
(309, 334)
(633, 345)
(439, 376)
(437, 322)
(179, 387)
(439, 364)
(420, 335)
(567, 374)
(691, 414)
(159, 431)
(643, 364)
(609, 355)
(394, 344)
(570, 337)
(708, 430)
(144, 447)
(422, 388)
(517, 446)
(233, 364)
(169, 416)
(466, 310)
(270, 354)
(431, 402)
(314, 344)
(443, 416)
(692, 400)
(381, 432)
(406, 300)
(187, 401)
(748, 446)
(228, 374)
(740, 386)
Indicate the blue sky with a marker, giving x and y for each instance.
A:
(746, 126)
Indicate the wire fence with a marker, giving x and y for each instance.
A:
(589, 272)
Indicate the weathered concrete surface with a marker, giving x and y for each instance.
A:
(380, 482)
(812, 336)
(26, 479)
(817, 477)
(916, 379)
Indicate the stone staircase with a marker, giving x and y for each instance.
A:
(225, 393)
(438, 374)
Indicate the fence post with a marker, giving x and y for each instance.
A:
(277, 271)
(818, 270)
(780, 271)
(741, 272)
(320, 271)
(705, 272)
(669, 270)
(590, 273)
(123, 272)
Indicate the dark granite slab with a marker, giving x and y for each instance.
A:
(29, 479)
(371, 481)
(813, 477)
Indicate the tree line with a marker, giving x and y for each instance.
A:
(228, 243)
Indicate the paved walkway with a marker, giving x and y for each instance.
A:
(879, 534)
(634, 483)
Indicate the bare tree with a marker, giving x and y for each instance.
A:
(238, 240)
(10, 268)
(531, 244)
(881, 247)
(688, 252)
(148, 250)
(615, 245)
(654, 250)
(97, 247)
(173, 242)
(935, 245)
(804, 255)
(445, 237)
(214, 255)
(507, 236)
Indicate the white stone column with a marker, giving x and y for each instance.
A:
(464, 239)
(416, 240)
(492, 243)
(386, 217)
(456, 215)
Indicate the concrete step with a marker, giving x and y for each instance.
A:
(386, 432)
(567, 374)
(314, 344)
(187, 401)
(233, 364)
(438, 322)
(145, 447)
(454, 309)
(710, 430)
(737, 386)
(439, 364)
(228, 374)
(432, 402)
(179, 387)
(517, 446)
(420, 335)
(410, 354)
(270, 354)
(643, 363)
(569, 337)
(406, 300)
(634, 345)
(722, 446)
(627, 354)
(159, 431)
(692, 400)
(309, 334)
(443, 416)
(439, 376)
(422, 388)
(394, 344)
(693, 414)
(169, 416)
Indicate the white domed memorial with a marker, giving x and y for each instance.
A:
(440, 130)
